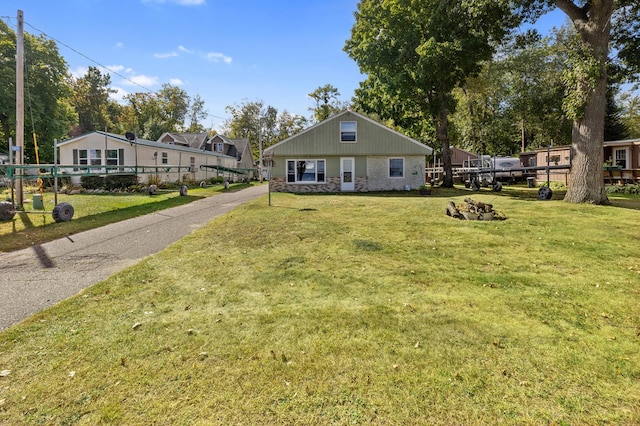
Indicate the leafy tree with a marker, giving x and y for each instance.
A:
(149, 115)
(630, 114)
(48, 113)
(250, 119)
(515, 102)
(289, 124)
(597, 23)
(91, 101)
(614, 127)
(142, 115)
(174, 107)
(327, 102)
(415, 53)
(196, 115)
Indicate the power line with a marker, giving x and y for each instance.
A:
(90, 59)
(8, 18)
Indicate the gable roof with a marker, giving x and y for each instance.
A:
(373, 138)
(193, 140)
(141, 142)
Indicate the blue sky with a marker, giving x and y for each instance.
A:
(226, 51)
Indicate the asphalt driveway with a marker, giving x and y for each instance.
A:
(43, 275)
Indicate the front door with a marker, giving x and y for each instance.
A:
(347, 174)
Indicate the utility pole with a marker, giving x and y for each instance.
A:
(20, 107)
(260, 148)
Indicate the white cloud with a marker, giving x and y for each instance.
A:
(115, 68)
(184, 49)
(165, 55)
(217, 57)
(176, 82)
(119, 94)
(191, 2)
(144, 80)
(179, 2)
(119, 45)
(79, 72)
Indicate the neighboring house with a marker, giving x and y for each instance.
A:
(459, 159)
(557, 156)
(238, 148)
(165, 161)
(622, 161)
(344, 153)
(191, 140)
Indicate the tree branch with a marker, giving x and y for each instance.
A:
(574, 12)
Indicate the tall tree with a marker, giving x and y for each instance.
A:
(196, 114)
(516, 101)
(174, 107)
(327, 102)
(48, 113)
(416, 52)
(142, 115)
(597, 24)
(91, 100)
(630, 113)
(252, 120)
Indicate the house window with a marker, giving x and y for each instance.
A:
(555, 159)
(621, 158)
(82, 157)
(165, 158)
(220, 147)
(305, 171)
(396, 167)
(112, 157)
(192, 161)
(348, 131)
(95, 157)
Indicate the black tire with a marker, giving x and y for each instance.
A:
(497, 186)
(7, 212)
(153, 189)
(63, 212)
(184, 190)
(203, 184)
(475, 185)
(545, 193)
(467, 184)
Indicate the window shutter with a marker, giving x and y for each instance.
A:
(75, 158)
(121, 157)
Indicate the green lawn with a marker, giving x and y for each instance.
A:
(90, 211)
(361, 309)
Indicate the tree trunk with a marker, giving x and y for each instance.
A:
(586, 183)
(442, 133)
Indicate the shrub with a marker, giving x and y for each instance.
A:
(120, 181)
(624, 189)
(92, 182)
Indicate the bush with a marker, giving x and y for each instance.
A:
(92, 182)
(119, 182)
(624, 189)
(189, 180)
(556, 186)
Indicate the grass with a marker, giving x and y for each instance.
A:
(362, 309)
(90, 211)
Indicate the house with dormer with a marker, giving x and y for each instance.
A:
(348, 152)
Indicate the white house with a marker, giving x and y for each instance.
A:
(163, 161)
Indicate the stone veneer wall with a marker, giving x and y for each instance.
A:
(378, 172)
(278, 184)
